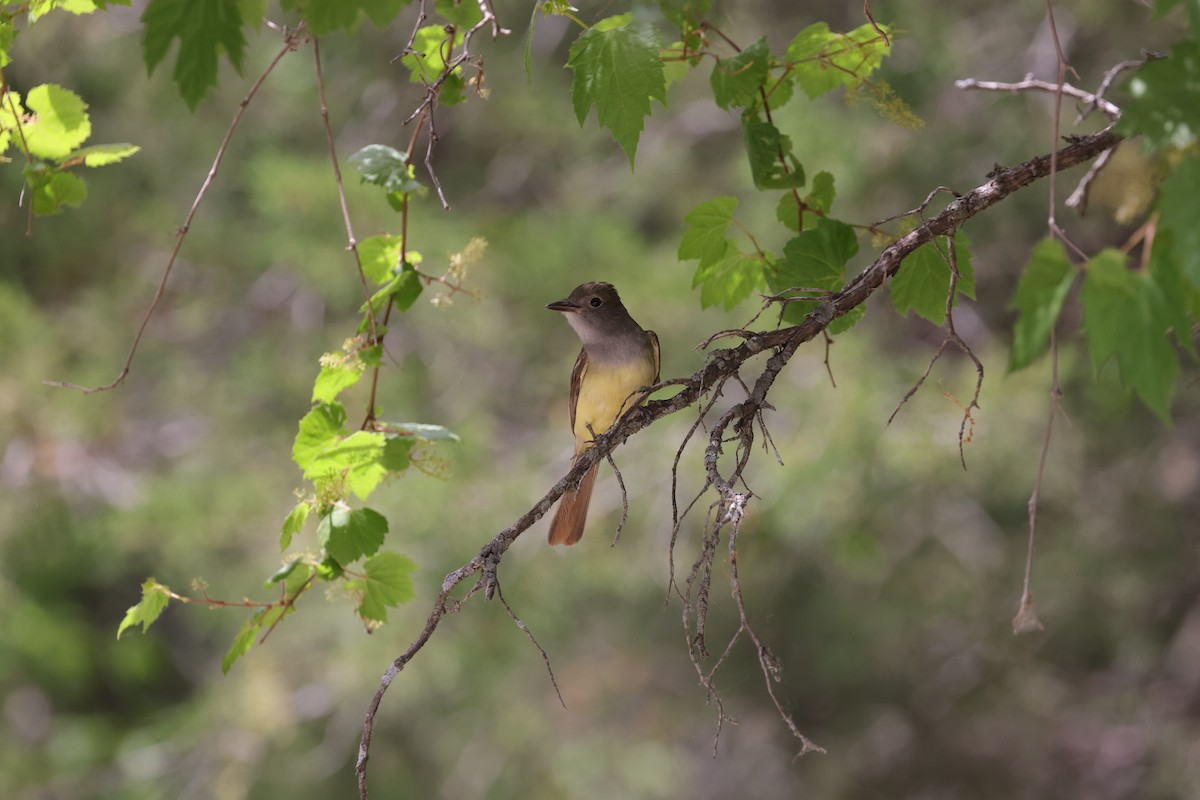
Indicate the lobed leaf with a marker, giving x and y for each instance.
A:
(705, 235)
(617, 68)
(387, 584)
(60, 124)
(1126, 315)
(1179, 210)
(1164, 107)
(772, 164)
(736, 81)
(293, 524)
(924, 280)
(349, 534)
(205, 29)
(1041, 292)
(149, 608)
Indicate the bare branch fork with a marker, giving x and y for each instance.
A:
(720, 366)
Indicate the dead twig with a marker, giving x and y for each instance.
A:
(292, 40)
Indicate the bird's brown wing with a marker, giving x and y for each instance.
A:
(657, 356)
(581, 365)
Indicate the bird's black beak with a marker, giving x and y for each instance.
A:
(565, 306)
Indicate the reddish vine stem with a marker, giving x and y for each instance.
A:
(351, 241)
(291, 41)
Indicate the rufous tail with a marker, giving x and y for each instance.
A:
(569, 519)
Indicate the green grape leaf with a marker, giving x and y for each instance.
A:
(380, 256)
(349, 534)
(357, 458)
(617, 68)
(675, 66)
(51, 190)
(205, 29)
(684, 12)
(772, 164)
(1179, 209)
(822, 60)
(405, 288)
(848, 320)
(729, 280)
(388, 583)
(395, 453)
(327, 16)
(427, 60)
(736, 81)
(149, 608)
(284, 572)
(823, 192)
(39, 8)
(1164, 107)
(788, 212)
(61, 121)
(293, 524)
(815, 259)
(1182, 299)
(387, 167)
(101, 155)
(1126, 315)
(253, 11)
(462, 13)
(338, 373)
(7, 33)
(1041, 292)
(706, 226)
(319, 429)
(924, 280)
(780, 90)
(1192, 7)
(820, 199)
(249, 631)
(382, 12)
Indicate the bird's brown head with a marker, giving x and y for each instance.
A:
(596, 313)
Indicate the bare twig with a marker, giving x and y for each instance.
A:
(1026, 620)
(1078, 199)
(351, 241)
(529, 634)
(952, 337)
(450, 63)
(624, 500)
(919, 211)
(1031, 84)
(291, 41)
(871, 19)
(723, 363)
(767, 661)
(1061, 80)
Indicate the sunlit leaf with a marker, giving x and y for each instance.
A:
(149, 608)
(618, 70)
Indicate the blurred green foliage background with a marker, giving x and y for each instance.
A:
(883, 575)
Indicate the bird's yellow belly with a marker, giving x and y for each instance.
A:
(605, 395)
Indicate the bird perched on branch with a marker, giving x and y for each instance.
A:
(618, 359)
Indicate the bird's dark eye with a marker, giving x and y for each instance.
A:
(597, 302)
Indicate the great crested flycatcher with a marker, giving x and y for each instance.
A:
(617, 359)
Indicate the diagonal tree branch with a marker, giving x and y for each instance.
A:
(721, 365)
